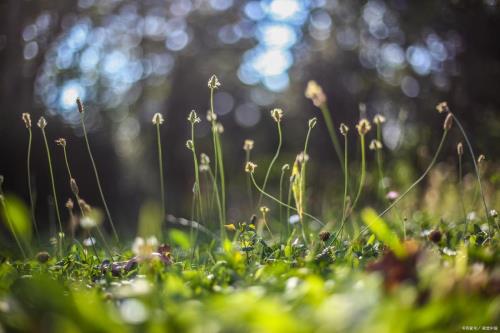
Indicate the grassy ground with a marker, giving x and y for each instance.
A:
(428, 262)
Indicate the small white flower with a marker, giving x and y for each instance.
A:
(294, 219)
(89, 241)
(144, 248)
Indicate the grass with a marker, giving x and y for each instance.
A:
(272, 273)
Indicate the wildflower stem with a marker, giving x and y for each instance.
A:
(196, 176)
(217, 198)
(461, 190)
(282, 203)
(249, 181)
(281, 192)
(331, 131)
(30, 189)
(363, 171)
(476, 168)
(52, 180)
(275, 157)
(380, 168)
(97, 178)
(160, 166)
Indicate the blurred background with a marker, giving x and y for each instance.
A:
(128, 59)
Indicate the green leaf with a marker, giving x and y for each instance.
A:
(382, 231)
(150, 220)
(19, 216)
(180, 239)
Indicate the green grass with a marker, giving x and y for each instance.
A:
(351, 269)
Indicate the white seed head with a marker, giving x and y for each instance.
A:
(363, 126)
(27, 119)
(190, 144)
(213, 82)
(312, 122)
(217, 127)
(493, 213)
(442, 107)
(379, 119)
(250, 167)
(157, 119)
(211, 116)
(61, 142)
(344, 129)
(375, 145)
(301, 157)
(277, 115)
(264, 210)
(315, 93)
(42, 122)
(204, 159)
(248, 145)
(460, 149)
(193, 117)
(481, 159)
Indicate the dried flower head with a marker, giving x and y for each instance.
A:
(74, 186)
(157, 119)
(204, 159)
(324, 235)
(193, 117)
(301, 157)
(79, 104)
(61, 142)
(460, 149)
(211, 116)
(448, 122)
(190, 144)
(285, 167)
(379, 119)
(213, 82)
(312, 122)
(375, 145)
(264, 210)
(481, 159)
(42, 122)
(217, 127)
(27, 119)
(250, 167)
(442, 107)
(363, 126)
(315, 93)
(277, 114)
(344, 129)
(70, 204)
(248, 145)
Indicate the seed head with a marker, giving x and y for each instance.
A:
(190, 144)
(363, 126)
(481, 159)
(379, 119)
(248, 145)
(217, 127)
(79, 104)
(312, 122)
(448, 122)
(74, 186)
(250, 167)
(213, 82)
(442, 107)
(375, 145)
(315, 93)
(285, 167)
(157, 119)
(277, 114)
(70, 204)
(301, 157)
(61, 142)
(493, 213)
(211, 116)
(27, 119)
(193, 117)
(42, 122)
(344, 129)
(460, 149)
(264, 210)
(324, 235)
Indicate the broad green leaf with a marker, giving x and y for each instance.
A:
(19, 216)
(382, 231)
(180, 239)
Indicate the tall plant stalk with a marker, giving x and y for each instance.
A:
(101, 193)
(9, 222)
(157, 121)
(27, 121)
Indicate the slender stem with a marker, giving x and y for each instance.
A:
(78, 200)
(219, 206)
(249, 181)
(288, 202)
(196, 175)
(11, 226)
(281, 192)
(222, 176)
(275, 157)
(331, 131)
(97, 178)
(30, 189)
(476, 168)
(282, 203)
(160, 166)
(380, 167)
(363, 171)
(52, 180)
(461, 189)
(346, 176)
